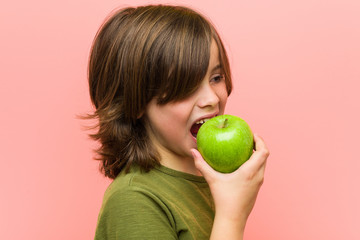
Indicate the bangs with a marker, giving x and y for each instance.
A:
(180, 61)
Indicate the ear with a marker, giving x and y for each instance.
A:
(141, 114)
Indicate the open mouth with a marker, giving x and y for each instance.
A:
(195, 129)
(196, 126)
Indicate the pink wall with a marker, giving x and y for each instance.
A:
(296, 66)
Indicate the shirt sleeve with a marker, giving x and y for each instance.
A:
(135, 214)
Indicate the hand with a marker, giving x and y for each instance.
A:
(235, 193)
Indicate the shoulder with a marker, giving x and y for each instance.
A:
(135, 184)
(159, 204)
(131, 208)
(133, 190)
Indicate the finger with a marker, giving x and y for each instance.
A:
(258, 158)
(259, 143)
(262, 169)
(261, 172)
(206, 170)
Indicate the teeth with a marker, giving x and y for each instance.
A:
(202, 121)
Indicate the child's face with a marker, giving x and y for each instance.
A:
(171, 126)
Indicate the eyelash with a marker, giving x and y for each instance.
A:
(217, 78)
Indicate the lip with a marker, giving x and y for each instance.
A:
(200, 118)
(205, 116)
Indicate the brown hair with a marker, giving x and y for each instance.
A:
(138, 54)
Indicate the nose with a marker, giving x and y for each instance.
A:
(207, 96)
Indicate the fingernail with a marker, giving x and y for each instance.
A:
(193, 153)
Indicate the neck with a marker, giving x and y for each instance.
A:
(185, 165)
(178, 163)
(170, 159)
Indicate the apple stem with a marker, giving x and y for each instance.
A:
(224, 124)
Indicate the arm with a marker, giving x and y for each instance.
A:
(234, 193)
(134, 214)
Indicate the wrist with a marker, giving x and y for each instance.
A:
(229, 228)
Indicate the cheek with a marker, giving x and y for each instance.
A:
(179, 116)
(223, 105)
(223, 96)
(172, 117)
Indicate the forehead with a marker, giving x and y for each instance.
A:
(214, 61)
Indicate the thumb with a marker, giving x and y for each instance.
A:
(206, 170)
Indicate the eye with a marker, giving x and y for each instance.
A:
(217, 78)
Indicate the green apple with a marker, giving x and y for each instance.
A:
(225, 142)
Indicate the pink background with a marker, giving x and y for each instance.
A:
(296, 68)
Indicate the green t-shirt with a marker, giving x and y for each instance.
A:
(161, 204)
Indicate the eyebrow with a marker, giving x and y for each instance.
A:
(218, 66)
